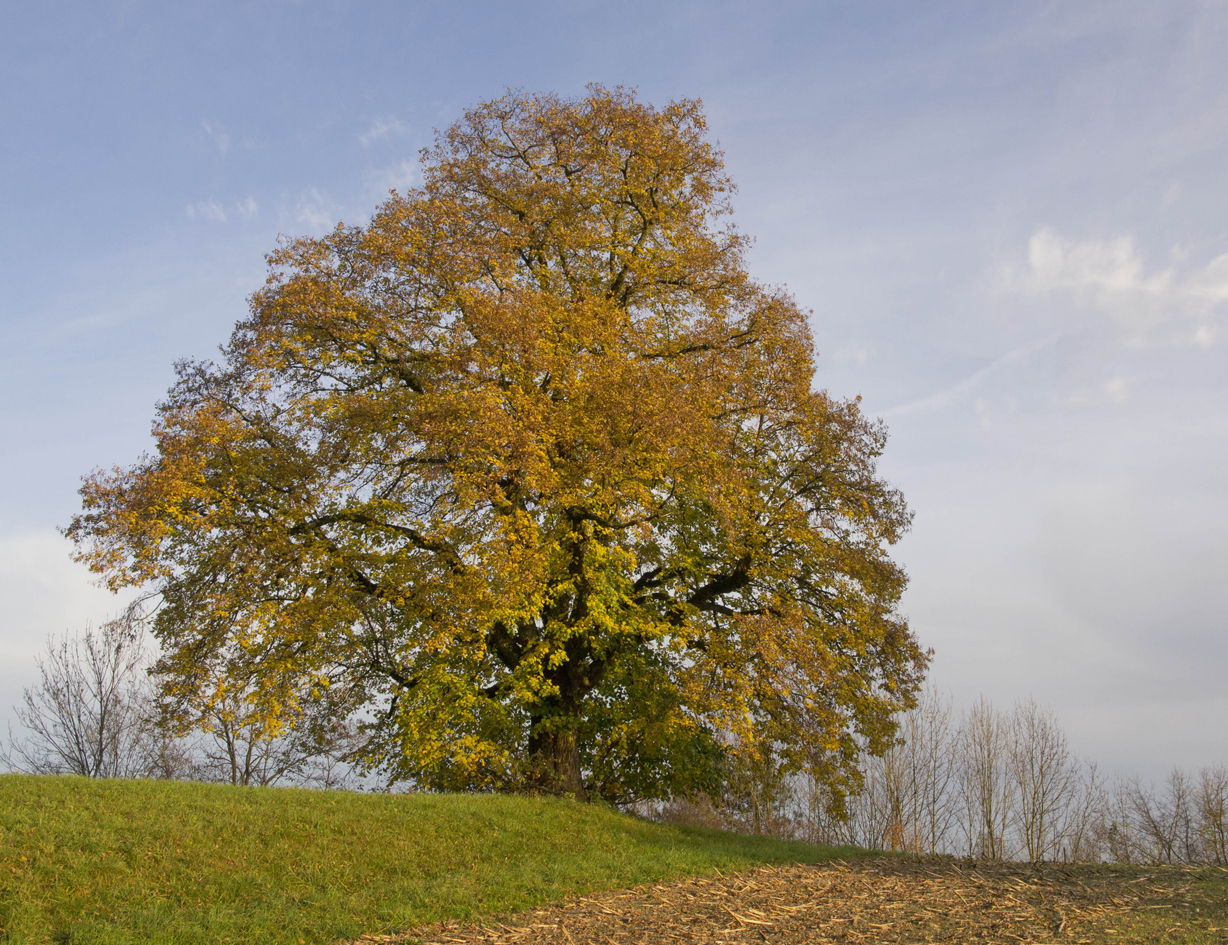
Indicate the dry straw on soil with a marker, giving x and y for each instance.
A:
(870, 901)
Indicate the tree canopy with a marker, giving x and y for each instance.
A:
(532, 470)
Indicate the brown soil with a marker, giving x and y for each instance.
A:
(870, 901)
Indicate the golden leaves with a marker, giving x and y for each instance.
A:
(529, 453)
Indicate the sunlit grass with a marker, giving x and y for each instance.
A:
(148, 861)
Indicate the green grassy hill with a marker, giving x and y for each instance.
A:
(150, 861)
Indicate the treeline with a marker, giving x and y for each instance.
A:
(990, 785)
(982, 783)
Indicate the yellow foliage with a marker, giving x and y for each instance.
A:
(532, 465)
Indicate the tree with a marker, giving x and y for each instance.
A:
(240, 741)
(89, 713)
(1045, 778)
(988, 794)
(530, 463)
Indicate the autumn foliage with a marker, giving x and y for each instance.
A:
(529, 473)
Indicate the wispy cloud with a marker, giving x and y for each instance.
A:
(382, 128)
(958, 392)
(1166, 306)
(314, 211)
(217, 134)
(400, 176)
(853, 352)
(208, 210)
(1114, 390)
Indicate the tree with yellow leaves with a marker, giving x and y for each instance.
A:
(532, 469)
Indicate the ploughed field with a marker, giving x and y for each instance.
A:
(877, 900)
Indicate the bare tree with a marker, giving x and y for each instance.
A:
(872, 819)
(906, 799)
(1009, 784)
(307, 739)
(987, 794)
(1185, 821)
(1155, 827)
(1044, 779)
(1080, 837)
(94, 712)
(88, 714)
(925, 769)
(1213, 814)
(819, 818)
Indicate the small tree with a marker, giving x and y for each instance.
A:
(89, 714)
(926, 764)
(1213, 814)
(985, 786)
(309, 740)
(1045, 779)
(1081, 834)
(1183, 821)
(908, 799)
(758, 792)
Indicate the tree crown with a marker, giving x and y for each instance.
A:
(531, 464)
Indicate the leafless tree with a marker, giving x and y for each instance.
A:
(819, 819)
(1045, 779)
(906, 800)
(872, 813)
(1213, 814)
(1155, 827)
(995, 787)
(88, 714)
(95, 712)
(986, 790)
(1080, 837)
(924, 764)
(1183, 822)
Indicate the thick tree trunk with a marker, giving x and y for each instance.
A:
(555, 763)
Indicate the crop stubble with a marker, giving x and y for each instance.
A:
(883, 900)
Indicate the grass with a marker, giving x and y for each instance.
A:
(1196, 915)
(104, 862)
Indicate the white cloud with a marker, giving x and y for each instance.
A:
(400, 176)
(209, 210)
(1110, 266)
(1114, 390)
(382, 128)
(854, 352)
(313, 211)
(1167, 306)
(957, 392)
(1117, 389)
(217, 134)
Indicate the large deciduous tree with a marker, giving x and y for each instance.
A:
(532, 468)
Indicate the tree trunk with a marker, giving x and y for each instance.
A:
(555, 763)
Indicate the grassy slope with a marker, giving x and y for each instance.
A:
(145, 861)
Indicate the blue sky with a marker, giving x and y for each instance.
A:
(1010, 221)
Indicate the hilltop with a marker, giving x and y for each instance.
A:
(110, 861)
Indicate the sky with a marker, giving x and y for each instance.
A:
(1009, 220)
